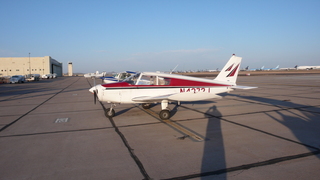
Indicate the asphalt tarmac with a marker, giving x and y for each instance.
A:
(51, 129)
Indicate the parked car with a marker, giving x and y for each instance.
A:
(17, 79)
(33, 77)
(47, 76)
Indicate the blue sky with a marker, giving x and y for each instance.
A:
(147, 35)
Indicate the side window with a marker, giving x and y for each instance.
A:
(124, 75)
(154, 80)
(163, 81)
(132, 79)
(147, 80)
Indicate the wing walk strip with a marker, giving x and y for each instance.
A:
(175, 126)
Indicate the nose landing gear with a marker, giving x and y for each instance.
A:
(109, 112)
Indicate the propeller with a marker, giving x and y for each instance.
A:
(95, 91)
(95, 96)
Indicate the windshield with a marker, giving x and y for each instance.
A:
(132, 79)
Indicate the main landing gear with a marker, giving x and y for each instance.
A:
(146, 105)
(164, 113)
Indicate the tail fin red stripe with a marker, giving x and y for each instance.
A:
(229, 68)
(232, 73)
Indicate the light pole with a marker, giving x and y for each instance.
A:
(29, 66)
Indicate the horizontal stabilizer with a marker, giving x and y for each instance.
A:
(243, 87)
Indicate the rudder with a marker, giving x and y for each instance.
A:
(229, 72)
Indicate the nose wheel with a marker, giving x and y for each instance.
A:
(109, 112)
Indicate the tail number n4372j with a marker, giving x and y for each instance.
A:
(194, 90)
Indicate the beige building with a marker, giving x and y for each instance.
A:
(10, 66)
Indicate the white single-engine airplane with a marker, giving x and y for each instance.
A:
(151, 87)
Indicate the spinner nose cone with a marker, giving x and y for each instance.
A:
(92, 89)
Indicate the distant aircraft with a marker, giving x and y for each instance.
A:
(289, 68)
(268, 69)
(213, 70)
(245, 69)
(117, 77)
(307, 67)
(260, 69)
(96, 74)
(153, 87)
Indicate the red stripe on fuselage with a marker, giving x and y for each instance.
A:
(184, 82)
(173, 83)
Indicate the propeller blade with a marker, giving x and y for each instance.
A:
(95, 97)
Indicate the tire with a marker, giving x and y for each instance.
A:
(109, 114)
(164, 114)
(146, 105)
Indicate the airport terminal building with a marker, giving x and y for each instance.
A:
(10, 66)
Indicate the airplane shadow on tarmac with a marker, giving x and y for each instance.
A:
(213, 160)
(302, 120)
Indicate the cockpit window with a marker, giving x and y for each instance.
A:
(147, 80)
(164, 81)
(132, 79)
(124, 75)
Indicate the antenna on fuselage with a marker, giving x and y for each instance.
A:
(174, 68)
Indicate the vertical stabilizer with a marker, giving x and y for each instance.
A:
(230, 71)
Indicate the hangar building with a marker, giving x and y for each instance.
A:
(10, 66)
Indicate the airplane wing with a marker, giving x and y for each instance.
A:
(177, 97)
(151, 98)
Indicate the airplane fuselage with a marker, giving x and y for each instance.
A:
(186, 93)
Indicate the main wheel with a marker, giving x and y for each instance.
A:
(164, 114)
(109, 113)
(146, 105)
